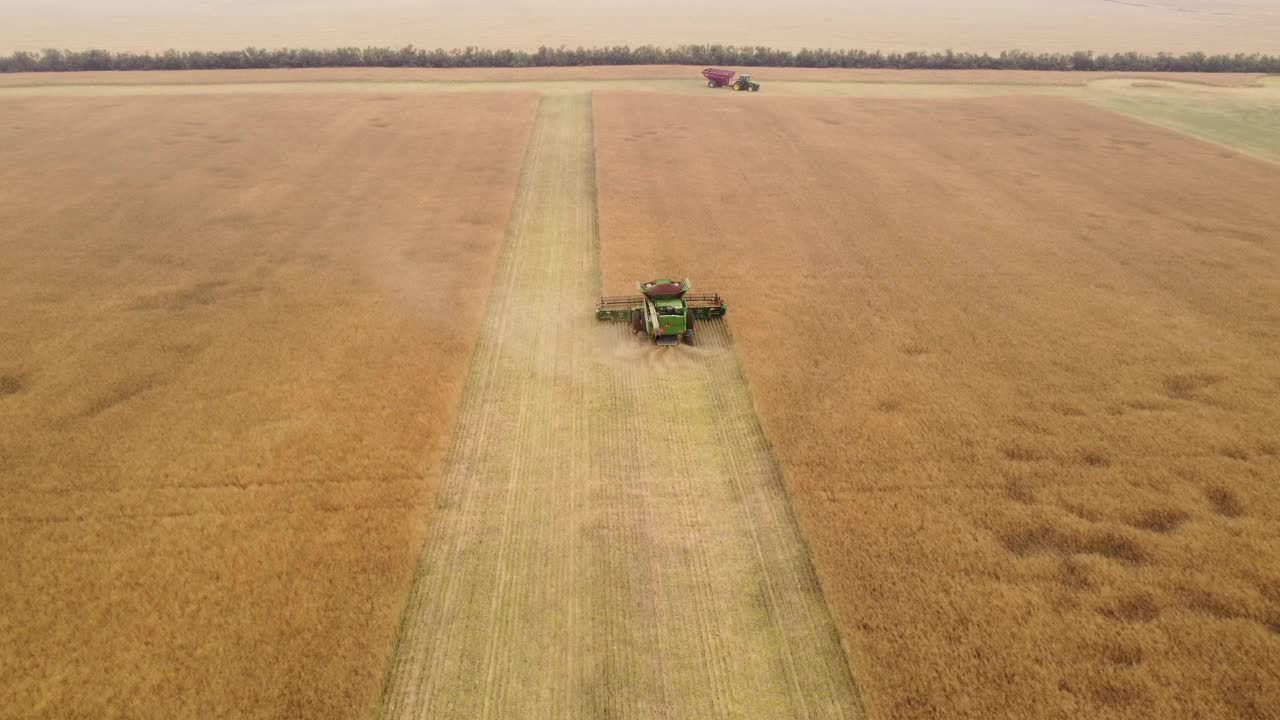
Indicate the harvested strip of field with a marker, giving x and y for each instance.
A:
(613, 539)
(1020, 359)
(617, 72)
(233, 336)
(1247, 119)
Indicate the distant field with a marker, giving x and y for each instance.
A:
(988, 25)
(233, 333)
(1018, 357)
(689, 73)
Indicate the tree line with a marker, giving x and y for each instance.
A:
(53, 60)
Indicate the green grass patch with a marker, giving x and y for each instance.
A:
(1250, 125)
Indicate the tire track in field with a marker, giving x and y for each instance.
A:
(613, 538)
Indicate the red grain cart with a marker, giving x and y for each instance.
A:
(716, 77)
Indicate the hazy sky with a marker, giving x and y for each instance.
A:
(1051, 25)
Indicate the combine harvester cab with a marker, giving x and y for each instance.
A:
(665, 310)
(665, 315)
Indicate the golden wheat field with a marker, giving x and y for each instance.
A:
(894, 25)
(1018, 359)
(304, 411)
(233, 339)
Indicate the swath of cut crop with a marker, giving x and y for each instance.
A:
(612, 539)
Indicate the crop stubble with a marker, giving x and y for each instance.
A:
(612, 539)
(1018, 358)
(233, 335)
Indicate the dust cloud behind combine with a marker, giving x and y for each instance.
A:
(1226, 26)
(1019, 359)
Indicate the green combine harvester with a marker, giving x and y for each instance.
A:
(665, 310)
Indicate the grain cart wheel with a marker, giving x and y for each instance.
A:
(637, 321)
(712, 83)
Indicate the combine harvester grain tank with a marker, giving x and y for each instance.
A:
(665, 309)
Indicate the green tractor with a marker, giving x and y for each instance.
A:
(665, 310)
(743, 83)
